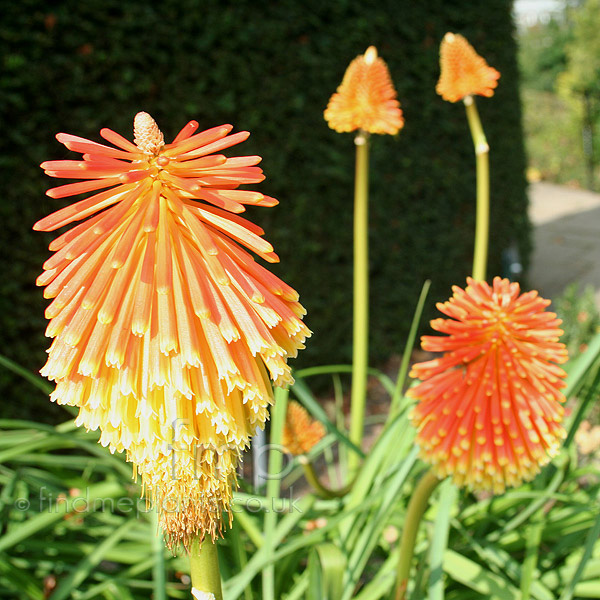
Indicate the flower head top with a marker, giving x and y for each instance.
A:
(301, 433)
(366, 99)
(489, 411)
(166, 330)
(463, 71)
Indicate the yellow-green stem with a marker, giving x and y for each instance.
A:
(158, 570)
(278, 414)
(204, 567)
(319, 488)
(360, 352)
(482, 220)
(414, 513)
(420, 498)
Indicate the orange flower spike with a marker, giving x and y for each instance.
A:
(166, 331)
(490, 408)
(301, 433)
(366, 99)
(463, 71)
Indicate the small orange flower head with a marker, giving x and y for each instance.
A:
(463, 71)
(490, 408)
(366, 99)
(301, 433)
(166, 331)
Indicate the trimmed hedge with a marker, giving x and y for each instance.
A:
(269, 67)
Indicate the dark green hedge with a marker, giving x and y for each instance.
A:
(269, 67)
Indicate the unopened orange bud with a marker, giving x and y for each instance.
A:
(301, 433)
(366, 99)
(463, 71)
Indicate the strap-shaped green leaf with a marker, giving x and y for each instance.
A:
(326, 567)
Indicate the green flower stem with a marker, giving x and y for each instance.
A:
(360, 352)
(204, 565)
(414, 513)
(320, 489)
(482, 223)
(419, 500)
(278, 414)
(159, 580)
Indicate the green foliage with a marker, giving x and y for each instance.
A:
(71, 517)
(543, 54)
(560, 67)
(553, 138)
(581, 319)
(579, 83)
(268, 67)
(582, 71)
(552, 124)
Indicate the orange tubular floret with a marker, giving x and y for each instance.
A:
(196, 141)
(186, 131)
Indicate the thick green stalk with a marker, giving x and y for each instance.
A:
(278, 413)
(204, 565)
(482, 219)
(360, 348)
(159, 580)
(414, 513)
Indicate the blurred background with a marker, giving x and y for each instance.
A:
(559, 57)
(270, 68)
(559, 60)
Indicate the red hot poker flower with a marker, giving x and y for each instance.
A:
(366, 98)
(489, 409)
(166, 331)
(462, 71)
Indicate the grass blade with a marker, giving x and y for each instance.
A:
(326, 567)
(68, 585)
(19, 581)
(475, 577)
(592, 538)
(533, 537)
(35, 380)
(301, 391)
(410, 343)
(234, 587)
(439, 542)
(56, 513)
(577, 368)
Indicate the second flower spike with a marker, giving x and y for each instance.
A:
(490, 408)
(462, 71)
(366, 99)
